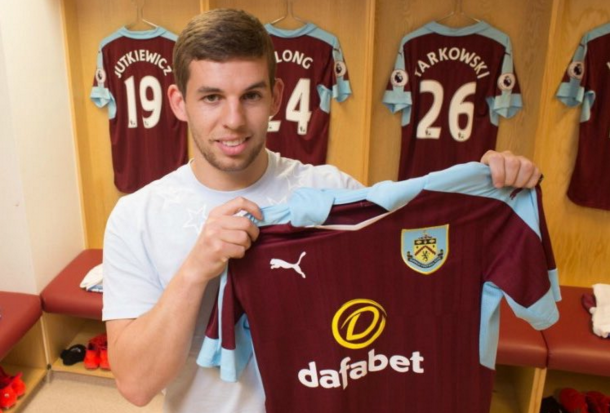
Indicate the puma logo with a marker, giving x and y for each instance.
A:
(277, 263)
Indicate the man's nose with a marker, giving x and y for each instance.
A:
(234, 114)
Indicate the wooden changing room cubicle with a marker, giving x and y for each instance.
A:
(364, 135)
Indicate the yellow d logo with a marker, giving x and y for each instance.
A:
(358, 339)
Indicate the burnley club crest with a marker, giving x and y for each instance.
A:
(425, 250)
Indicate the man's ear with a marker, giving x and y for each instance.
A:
(278, 90)
(176, 101)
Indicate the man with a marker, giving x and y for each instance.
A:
(166, 244)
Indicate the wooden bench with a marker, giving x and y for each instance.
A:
(19, 312)
(63, 294)
(577, 357)
(21, 340)
(519, 344)
(571, 343)
(72, 315)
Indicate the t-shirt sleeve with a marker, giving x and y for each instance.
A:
(333, 82)
(524, 274)
(341, 86)
(131, 284)
(101, 94)
(398, 94)
(507, 100)
(574, 88)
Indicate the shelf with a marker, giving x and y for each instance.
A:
(504, 399)
(31, 377)
(557, 380)
(88, 330)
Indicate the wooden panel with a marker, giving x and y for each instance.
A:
(579, 235)
(504, 397)
(27, 357)
(526, 23)
(557, 380)
(87, 23)
(517, 389)
(59, 331)
(29, 351)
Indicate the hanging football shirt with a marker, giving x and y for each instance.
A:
(311, 65)
(134, 70)
(451, 85)
(586, 82)
(392, 305)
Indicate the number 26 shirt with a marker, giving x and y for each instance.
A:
(451, 85)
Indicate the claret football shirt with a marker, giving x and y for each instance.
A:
(310, 63)
(385, 299)
(451, 86)
(585, 83)
(134, 70)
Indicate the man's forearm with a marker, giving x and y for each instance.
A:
(148, 352)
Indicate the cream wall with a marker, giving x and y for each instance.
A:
(40, 212)
(14, 241)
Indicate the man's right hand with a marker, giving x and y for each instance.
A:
(226, 234)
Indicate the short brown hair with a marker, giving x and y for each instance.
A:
(220, 35)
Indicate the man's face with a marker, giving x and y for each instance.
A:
(228, 106)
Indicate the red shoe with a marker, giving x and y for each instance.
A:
(92, 356)
(18, 384)
(573, 401)
(8, 397)
(14, 381)
(597, 402)
(100, 340)
(104, 364)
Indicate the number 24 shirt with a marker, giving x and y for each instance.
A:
(134, 71)
(311, 65)
(451, 85)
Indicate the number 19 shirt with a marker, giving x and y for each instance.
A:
(451, 86)
(134, 70)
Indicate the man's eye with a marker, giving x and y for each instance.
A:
(211, 98)
(252, 96)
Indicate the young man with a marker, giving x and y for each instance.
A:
(166, 244)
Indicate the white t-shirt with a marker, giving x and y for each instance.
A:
(148, 236)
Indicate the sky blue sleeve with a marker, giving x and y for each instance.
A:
(506, 102)
(100, 94)
(398, 98)
(572, 92)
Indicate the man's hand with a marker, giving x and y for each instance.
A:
(508, 169)
(227, 234)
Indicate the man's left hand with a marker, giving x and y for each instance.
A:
(508, 169)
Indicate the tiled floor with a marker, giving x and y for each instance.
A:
(72, 393)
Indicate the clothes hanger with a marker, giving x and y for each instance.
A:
(458, 11)
(140, 23)
(289, 20)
